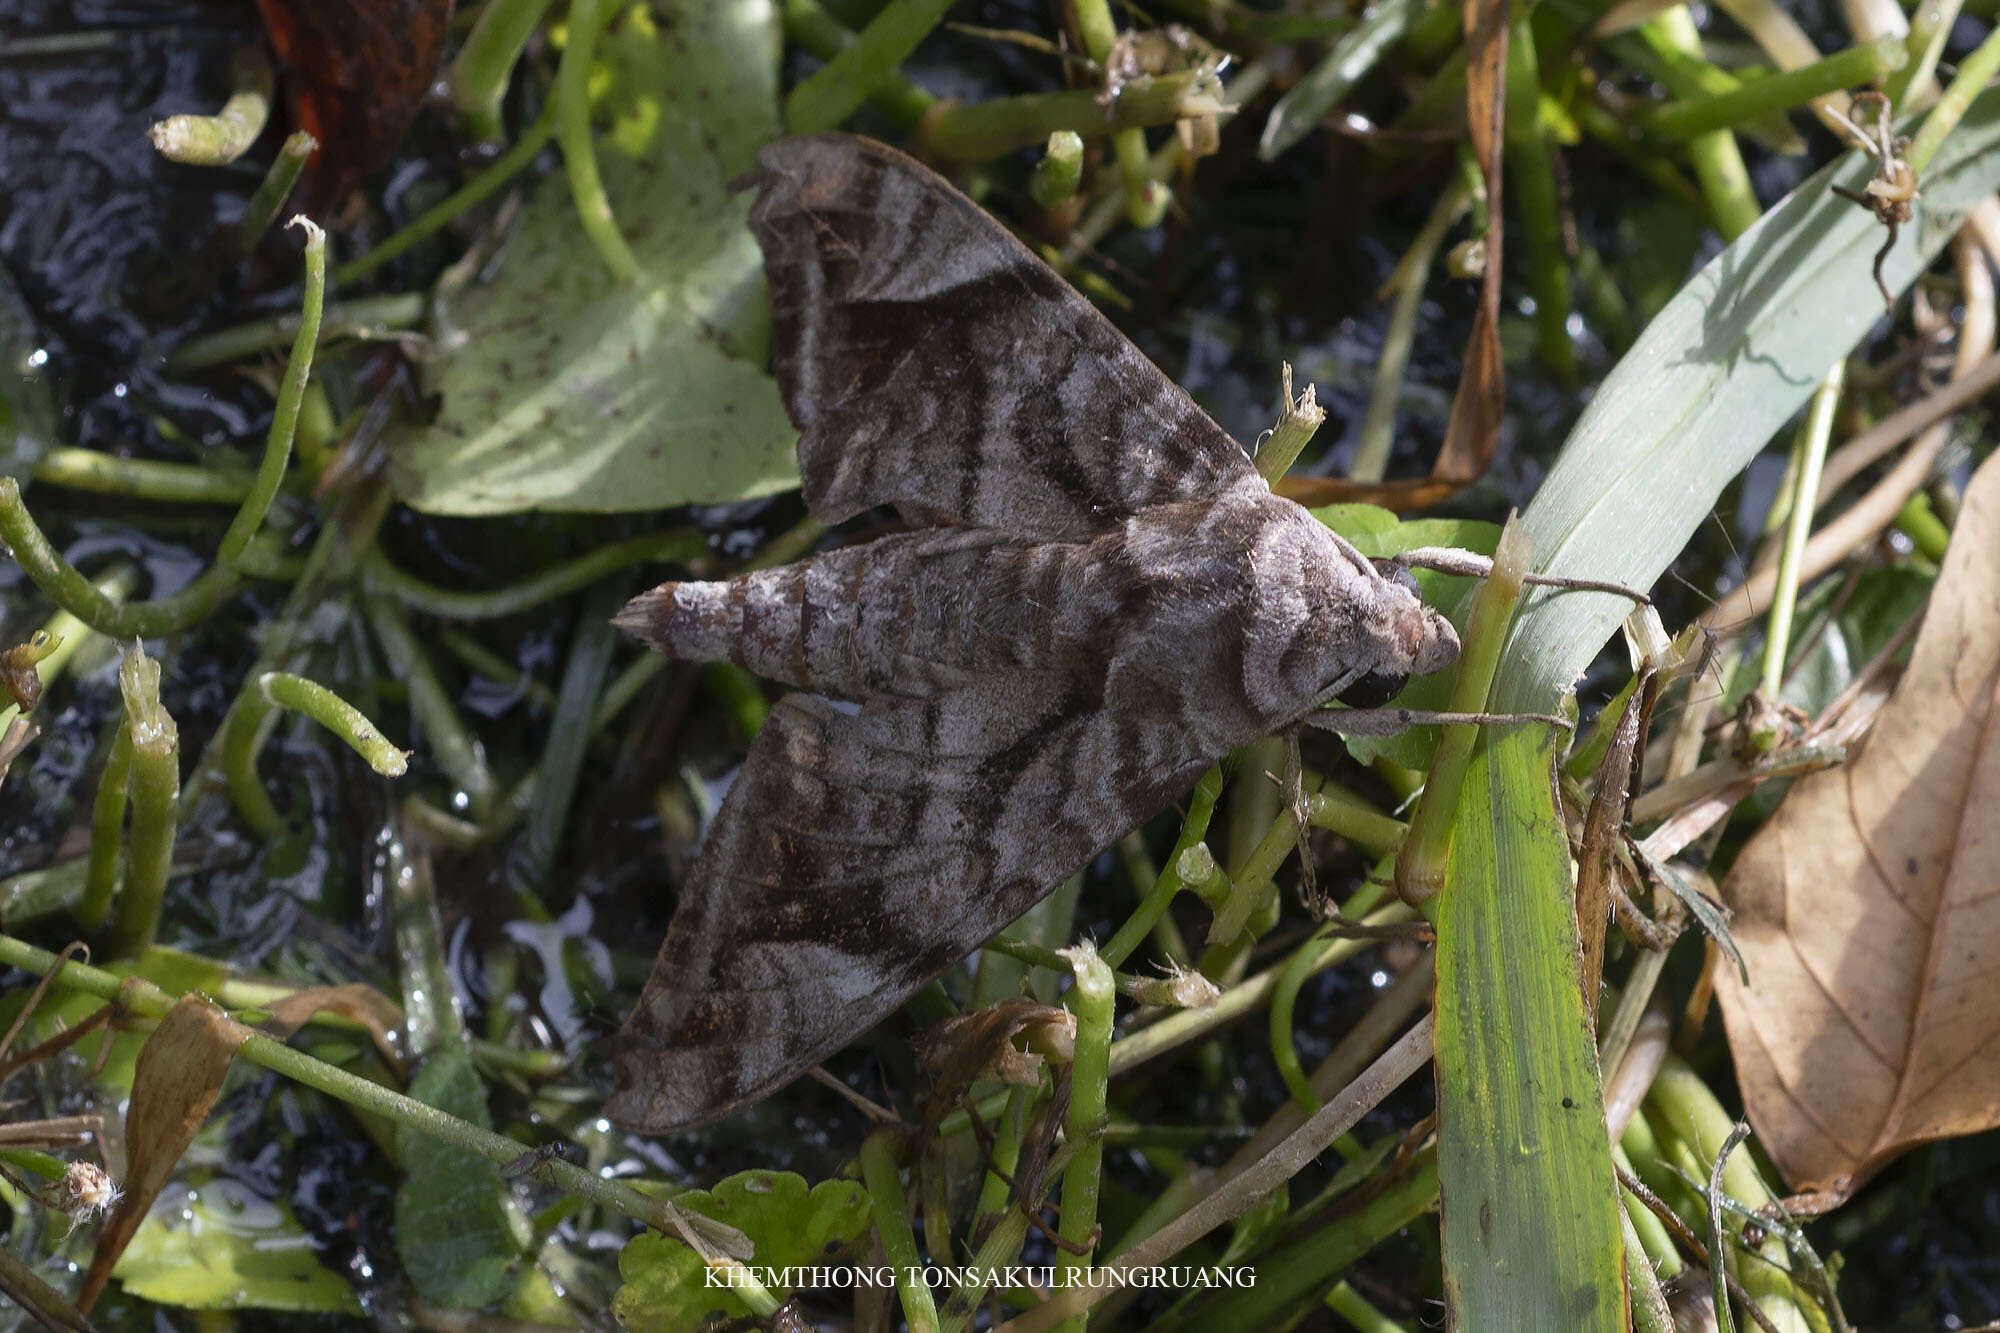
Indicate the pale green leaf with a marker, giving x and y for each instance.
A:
(561, 388)
(217, 1246)
(666, 1284)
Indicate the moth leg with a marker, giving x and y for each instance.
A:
(1451, 560)
(1394, 721)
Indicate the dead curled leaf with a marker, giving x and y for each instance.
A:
(175, 1083)
(361, 1003)
(1868, 908)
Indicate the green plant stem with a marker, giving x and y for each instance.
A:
(368, 317)
(1718, 162)
(1808, 457)
(473, 193)
(218, 140)
(1649, 1305)
(68, 588)
(1532, 177)
(138, 478)
(285, 419)
(976, 132)
(485, 662)
(1059, 174)
(450, 744)
(810, 26)
(831, 94)
(1930, 24)
(107, 832)
(1359, 1311)
(1926, 531)
(66, 635)
(617, 695)
(245, 738)
(1201, 808)
(1974, 73)
(892, 1224)
(679, 547)
(1420, 864)
(1660, 49)
(155, 788)
(587, 21)
(149, 1001)
(1378, 428)
(1309, 100)
(1095, 1000)
(484, 65)
(1336, 811)
(1861, 64)
(1284, 996)
(276, 187)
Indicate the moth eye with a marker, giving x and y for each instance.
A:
(1397, 573)
(1374, 689)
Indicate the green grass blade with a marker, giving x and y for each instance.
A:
(1531, 1232)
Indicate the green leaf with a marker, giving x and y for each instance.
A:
(216, 1246)
(453, 1232)
(666, 1284)
(1726, 363)
(1531, 1231)
(561, 388)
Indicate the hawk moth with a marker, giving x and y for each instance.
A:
(1098, 597)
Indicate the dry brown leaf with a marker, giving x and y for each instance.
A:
(175, 1082)
(356, 1001)
(1868, 908)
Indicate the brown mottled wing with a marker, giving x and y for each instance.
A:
(833, 884)
(932, 363)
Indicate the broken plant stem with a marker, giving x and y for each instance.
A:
(138, 996)
(1299, 419)
(470, 195)
(587, 21)
(1094, 1000)
(219, 139)
(275, 188)
(280, 689)
(285, 419)
(1808, 457)
(884, 1180)
(1060, 172)
(155, 796)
